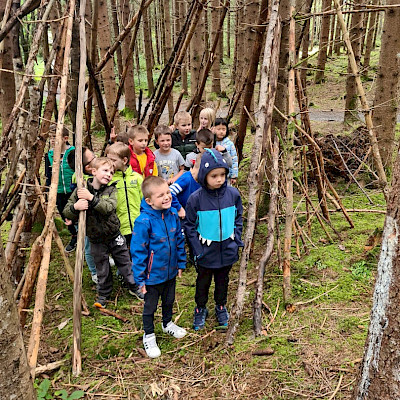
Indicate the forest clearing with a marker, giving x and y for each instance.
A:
(309, 92)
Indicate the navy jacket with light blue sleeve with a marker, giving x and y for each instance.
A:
(157, 246)
(213, 222)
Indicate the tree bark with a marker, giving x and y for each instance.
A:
(386, 102)
(356, 34)
(115, 26)
(168, 47)
(148, 53)
(15, 378)
(379, 378)
(369, 40)
(216, 68)
(197, 47)
(323, 43)
(184, 75)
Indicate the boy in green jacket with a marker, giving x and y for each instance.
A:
(102, 227)
(129, 188)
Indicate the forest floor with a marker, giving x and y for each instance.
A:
(317, 348)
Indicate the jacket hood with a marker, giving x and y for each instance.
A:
(146, 208)
(210, 160)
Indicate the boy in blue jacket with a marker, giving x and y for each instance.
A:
(213, 227)
(158, 256)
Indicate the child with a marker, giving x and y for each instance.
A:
(170, 163)
(183, 137)
(206, 118)
(142, 159)
(128, 184)
(158, 255)
(64, 181)
(102, 225)
(213, 227)
(87, 157)
(184, 186)
(204, 140)
(221, 131)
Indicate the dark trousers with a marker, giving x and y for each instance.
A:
(166, 291)
(128, 239)
(119, 251)
(203, 283)
(62, 200)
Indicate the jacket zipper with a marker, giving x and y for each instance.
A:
(127, 201)
(169, 244)
(150, 264)
(220, 229)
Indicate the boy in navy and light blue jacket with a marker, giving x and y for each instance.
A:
(213, 227)
(158, 256)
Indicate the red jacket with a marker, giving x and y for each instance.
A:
(148, 169)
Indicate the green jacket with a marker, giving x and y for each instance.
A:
(64, 180)
(129, 196)
(102, 223)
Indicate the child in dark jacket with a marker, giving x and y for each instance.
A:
(158, 256)
(102, 227)
(213, 227)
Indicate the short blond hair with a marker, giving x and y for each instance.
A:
(180, 115)
(100, 161)
(119, 149)
(209, 113)
(135, 130)
(149, 183)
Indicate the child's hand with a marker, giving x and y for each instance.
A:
(220, 148)
(84, 193)
(81, 205)
(113, 135)
(143, 289)
(179, 273)
(170, 181)
(182, 213)
(68, 222)
(233, 181)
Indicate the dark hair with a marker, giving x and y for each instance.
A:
(222, 121)
(65, 131)
(162, 130)
(204, 136)
(122, 137)
(85, 161)
(120, 149)
(148, 184)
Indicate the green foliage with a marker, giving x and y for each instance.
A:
(361, 270)
(63, 394)
(43, 389)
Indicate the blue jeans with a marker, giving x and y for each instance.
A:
(89, 258)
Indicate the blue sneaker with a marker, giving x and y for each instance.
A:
(222, 315)
(200, 315)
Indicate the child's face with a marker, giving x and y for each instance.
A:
(204, 122)
(165, 142)
(202, 146)
(219, 131)
(184, 126)
(139, 143)
(103, 174)
(216, 178)
(88, 157)
(161, 198)
(119, 163)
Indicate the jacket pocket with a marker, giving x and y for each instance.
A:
(150, 264)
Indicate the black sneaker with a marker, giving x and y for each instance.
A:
(101, 302)
(199, 320)
(71, 246)
(222, 315)
(134, 290)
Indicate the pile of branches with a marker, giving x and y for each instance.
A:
(344, 153)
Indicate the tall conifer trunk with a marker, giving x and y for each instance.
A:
(148, 52)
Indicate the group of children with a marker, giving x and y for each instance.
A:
(141, 206)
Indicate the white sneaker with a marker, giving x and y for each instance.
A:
(150, 345)
(174, 330)
(95, 279)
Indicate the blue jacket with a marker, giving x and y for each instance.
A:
(157, 246)
(183, 187)
(213, 222)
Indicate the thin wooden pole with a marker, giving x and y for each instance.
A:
(34, 339)
(77, 324)
(365, 107)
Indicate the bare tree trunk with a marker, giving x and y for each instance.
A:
(197, 47)
(331, 36)
(378, 377)
(369, 40)
(323, 43)
(184, 75)
(356, 34)
(216, 68)
(168, 48)
(338, 39)
(269, 74)
(15, 377)
(239, 45)
(386, 102)
(148, 53)
(115, 25)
